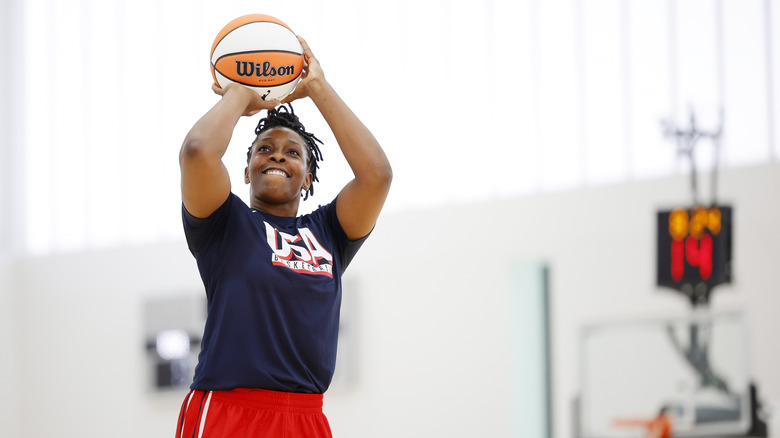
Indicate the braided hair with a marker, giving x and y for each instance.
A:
(283, 116)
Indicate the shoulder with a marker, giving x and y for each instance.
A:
(324, 215)
(201, 232)
(231, 203)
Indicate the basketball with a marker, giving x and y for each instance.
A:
(258, 51)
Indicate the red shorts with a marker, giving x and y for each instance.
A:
(252, 413)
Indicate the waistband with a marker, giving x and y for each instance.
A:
(269, 400)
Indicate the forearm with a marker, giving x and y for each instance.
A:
(361, 200)
(359, 146)
(205, 183)
(211, 134)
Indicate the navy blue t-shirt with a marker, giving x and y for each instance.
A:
(273, 286)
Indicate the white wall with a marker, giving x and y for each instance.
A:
(9, 337)
(82, 343)
(433, 320)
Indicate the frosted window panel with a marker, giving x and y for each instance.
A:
(425, 29)
(409, 141)
(185, 46)
(142, 124)
(604, 118)
(697, 60)
(773, 31)
(103, 134)
(337, 45)
(39, 36)
(513, 39)
(418, 125)
(473, 136)
(746, 134)
(4, 238)
(559, 98)
(649, 87)
(556, 105)
(67, 141)
(382, 40)
(698, 70)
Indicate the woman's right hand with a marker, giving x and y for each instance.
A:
(312, 77)
(254, 102)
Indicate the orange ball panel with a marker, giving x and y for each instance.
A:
(265, 69)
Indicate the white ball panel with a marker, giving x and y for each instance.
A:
(257, 36)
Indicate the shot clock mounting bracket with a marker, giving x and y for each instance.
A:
(686, 140)
(694, 243)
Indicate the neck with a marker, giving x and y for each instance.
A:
(289, 209)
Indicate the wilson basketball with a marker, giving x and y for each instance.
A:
(258, 51)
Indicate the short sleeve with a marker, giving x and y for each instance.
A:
(347, 248)
(202, 232)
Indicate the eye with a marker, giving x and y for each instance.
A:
(295, 152)
(263, 148)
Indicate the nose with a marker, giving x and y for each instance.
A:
(277, 156)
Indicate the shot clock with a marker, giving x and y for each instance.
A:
(694, 250)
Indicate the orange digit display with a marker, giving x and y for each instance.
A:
(694, 249)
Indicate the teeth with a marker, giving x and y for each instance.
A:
(276, 172)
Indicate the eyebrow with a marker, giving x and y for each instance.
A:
(288, 142)
(259, 143)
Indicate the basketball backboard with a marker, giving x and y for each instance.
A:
(692, 371)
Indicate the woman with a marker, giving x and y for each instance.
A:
(272, 278)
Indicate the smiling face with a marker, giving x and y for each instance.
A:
(277, 171)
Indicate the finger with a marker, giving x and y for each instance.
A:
(261, 104)
(306, 50)
(270, 104)
(291, 97)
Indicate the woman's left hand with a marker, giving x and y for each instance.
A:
(312, 77)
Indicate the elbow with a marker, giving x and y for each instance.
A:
(190, 150)
(385, 174)
(377, 177)
(382, 176)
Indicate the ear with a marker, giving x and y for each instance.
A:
(307, 181)
(246, 175)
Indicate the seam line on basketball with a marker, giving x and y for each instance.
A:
(259, 51)
(255, 86)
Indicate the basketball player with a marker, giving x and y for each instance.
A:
(272, 278)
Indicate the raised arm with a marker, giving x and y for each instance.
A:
(361, 200)
(205, 183)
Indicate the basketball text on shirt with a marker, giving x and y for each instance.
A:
(301, 253)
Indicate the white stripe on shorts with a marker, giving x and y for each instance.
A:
(184, 413)
(203, 418)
